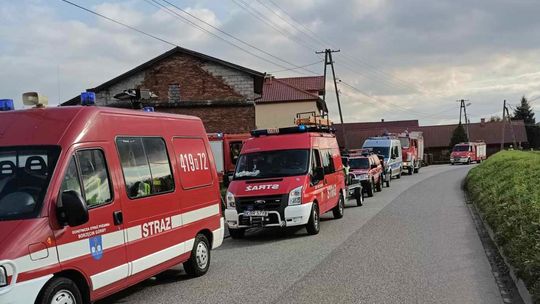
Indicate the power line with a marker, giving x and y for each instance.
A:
(232, 36)
(120, 23)
(321, 41)
(213, 34)
(304, 66)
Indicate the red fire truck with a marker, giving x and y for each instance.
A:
(286, 177)
(93, 200)
(467, 152)
(226, 149)
(412, 151)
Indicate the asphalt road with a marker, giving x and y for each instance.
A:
(412, 243)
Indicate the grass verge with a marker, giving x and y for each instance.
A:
(506, 190)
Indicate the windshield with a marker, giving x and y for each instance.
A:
(24, 177)
(359, 163)
(404, 142)
(266, 164)
(461, 148)
(380, 150)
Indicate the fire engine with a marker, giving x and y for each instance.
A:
(468, 152)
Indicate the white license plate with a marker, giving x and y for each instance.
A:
(256, 213)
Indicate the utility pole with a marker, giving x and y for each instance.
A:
(507, 118)
(328, 60)
(463, 108)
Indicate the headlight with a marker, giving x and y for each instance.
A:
(229, 198)
(295, 196)
(3, 277)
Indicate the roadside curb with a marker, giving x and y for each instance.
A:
(519, 285)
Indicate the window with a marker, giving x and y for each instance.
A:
(235, 147)
(25, 173)
(327, 161)
(87, 175)
(174, 92)
(146, 166)
(71, 180)
(316, 161)
(94, 176)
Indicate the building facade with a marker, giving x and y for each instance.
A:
(185, 82)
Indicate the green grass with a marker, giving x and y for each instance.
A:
(506, 190)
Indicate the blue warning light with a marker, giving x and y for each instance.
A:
(6, 105)
(88, 98)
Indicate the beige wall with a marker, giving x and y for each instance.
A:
(279, 115)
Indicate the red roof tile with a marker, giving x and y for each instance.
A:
(312, 84)
(275, 90)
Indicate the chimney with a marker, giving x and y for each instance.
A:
(382, 119)
(268, 78)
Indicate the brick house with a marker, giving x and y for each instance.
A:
(284, 97)
(186, 82)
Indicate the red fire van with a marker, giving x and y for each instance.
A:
(286, 177)
(226, 149)
(93, 200)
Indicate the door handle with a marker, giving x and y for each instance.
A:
(118, 217)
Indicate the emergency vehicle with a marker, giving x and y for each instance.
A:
(286, 177)
(467, 152)
(368, 169)
(226, 149)
(412, 151)
(93, 200)
(389, 147)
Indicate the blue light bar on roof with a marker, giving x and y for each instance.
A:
(6, 105)
(148, 109)
(88, 98)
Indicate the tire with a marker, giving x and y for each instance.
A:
(369, 190)
(237, 233)
(399, 175)
(468, 161)
(359, 197)
(416, 170)
(58, 289)
(378, 186)
(314, 223)
(199, 261)
(339, 208)
(388, 182)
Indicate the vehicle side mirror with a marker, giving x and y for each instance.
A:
(73, 210)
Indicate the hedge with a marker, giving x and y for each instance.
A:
(506, 190)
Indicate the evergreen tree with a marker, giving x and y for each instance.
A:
(458, 136)
(524, 112)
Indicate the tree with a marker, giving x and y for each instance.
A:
(524, 112)
(495, 118)
(458, 136)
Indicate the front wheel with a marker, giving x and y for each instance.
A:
(378, 187)
(314, 226)
(60, 290)
(199, 261)
(370, 189)
(339, 208)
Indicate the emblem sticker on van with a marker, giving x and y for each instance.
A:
(262, 187)
(96, 247)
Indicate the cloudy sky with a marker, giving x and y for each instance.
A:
(406, 59)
